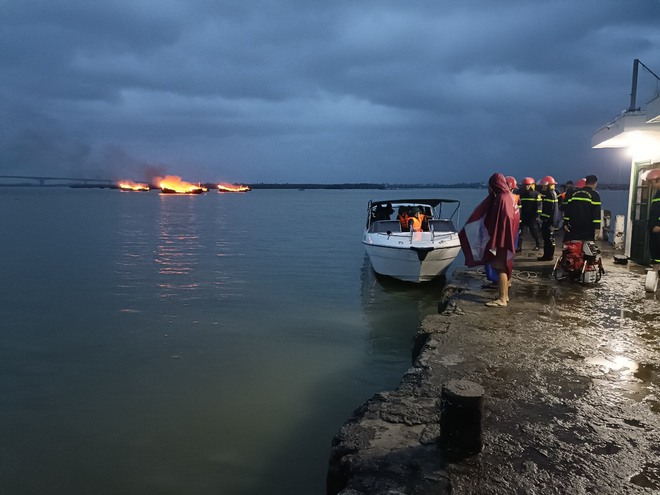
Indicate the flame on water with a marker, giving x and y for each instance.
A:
(224, 187)
(175, 184)
(129, 185)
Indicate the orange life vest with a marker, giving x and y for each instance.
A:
(416, 224)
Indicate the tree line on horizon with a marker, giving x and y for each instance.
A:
(368, 185)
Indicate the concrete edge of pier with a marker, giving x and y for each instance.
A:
(569, 374)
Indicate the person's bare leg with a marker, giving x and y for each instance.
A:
(503, 286)
(503, 291)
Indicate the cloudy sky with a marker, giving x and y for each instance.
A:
(333, 91)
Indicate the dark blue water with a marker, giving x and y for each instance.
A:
(207, 344)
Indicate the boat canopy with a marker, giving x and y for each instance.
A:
(430, 202)
(434, 203)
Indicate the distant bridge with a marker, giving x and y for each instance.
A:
(42, 179)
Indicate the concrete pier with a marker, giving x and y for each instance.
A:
(571, 381)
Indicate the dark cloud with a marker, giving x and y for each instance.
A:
(295, 90)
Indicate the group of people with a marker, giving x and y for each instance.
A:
(493, 233)
(412, 219)
(575, 211)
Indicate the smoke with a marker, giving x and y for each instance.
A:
(153, 172)
(39, 152)
(50, 152)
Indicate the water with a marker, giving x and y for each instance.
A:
(191, 344)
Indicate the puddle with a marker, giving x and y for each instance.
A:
(648, 373)
(616, 363)
(543, 293)
(649, 477)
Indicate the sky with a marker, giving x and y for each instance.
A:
(340, 91)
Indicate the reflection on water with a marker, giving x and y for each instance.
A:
(636, 381)
(177, 254)
(615, 363)
(179, 240)
(394, 310)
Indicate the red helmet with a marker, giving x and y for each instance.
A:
(543, 182)
(528, 181)
(653, 174)
(511, 182)
(549, 180)
(580, 183)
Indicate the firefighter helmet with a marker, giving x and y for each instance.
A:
(528, 181)
(580, 183)
(511, 182)
(543, 182)
(653, 174)
(549, 180)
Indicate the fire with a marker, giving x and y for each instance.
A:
(129, 185)
(223, 187)
(174, 184)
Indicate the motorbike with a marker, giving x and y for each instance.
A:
(580, 261)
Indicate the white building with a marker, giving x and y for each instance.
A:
(637, 129)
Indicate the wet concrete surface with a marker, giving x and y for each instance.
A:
(571, 375)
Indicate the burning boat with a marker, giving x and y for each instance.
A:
(173, 184)
(233, 188)
(129, 185)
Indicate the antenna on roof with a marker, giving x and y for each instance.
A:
(633, 92)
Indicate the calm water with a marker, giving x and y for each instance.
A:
(207, 344)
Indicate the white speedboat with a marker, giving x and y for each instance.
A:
(398, 251)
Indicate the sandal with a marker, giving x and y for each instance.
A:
(496, 304)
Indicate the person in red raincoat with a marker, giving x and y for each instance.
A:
(489, 235)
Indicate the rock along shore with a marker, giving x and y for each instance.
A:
(571, 375)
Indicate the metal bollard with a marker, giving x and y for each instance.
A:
(460, 419)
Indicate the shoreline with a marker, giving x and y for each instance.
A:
(572, 392)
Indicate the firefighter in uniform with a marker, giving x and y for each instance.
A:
(582, 213)
(530, 209)
(653, 274)
(653, 179)
(566, 191)
(549, 216)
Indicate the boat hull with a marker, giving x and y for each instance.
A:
(165, 190)
(417, 258)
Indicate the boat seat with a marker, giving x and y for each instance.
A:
(384, 226)
(439, 226)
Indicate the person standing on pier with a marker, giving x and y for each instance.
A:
(550, 217)
(653, 178)
(564, 193)
(530, 209)
(582, 213)
(489, 235)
